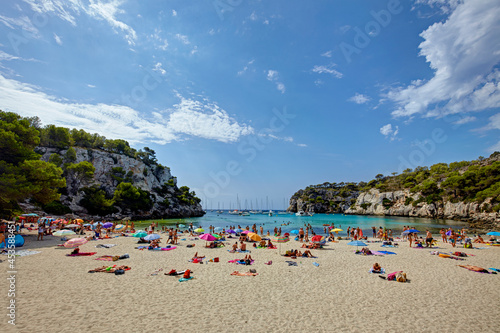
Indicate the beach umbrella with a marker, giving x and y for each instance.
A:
(79, 220)
(199, 230)
(107, 225)
(152, 237)
(246, 232)
(64, 233)
(493, 233)
(230, 231)
(281, 239)
(336, 230)
(208, 237)
(317, 238)
(410, 231)
(237, 230)
(182, 225)
(254, 237)
(75, 242)
(119, 227)
(295, 232)
(72, 226)
(87, 225)
(356, 243)
(140, 234)
(217, 236)
(217, 229)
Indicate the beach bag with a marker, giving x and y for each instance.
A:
(401, 277)
(187, 274)
(216, 259)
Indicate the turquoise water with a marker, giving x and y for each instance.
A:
(225, 220)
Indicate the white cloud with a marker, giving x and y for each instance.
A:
(327, 70)
(464, 52)
(445, 5)
(359, 99)
(281, 87)
(464, 120)
(58, 39)
(188, 118)
(243, 71)
(273, 76)
(211, 32)
(318, 82)
(389, 132)
(253, 16)
(6, 56)
(66, 10)
(183, 38)
(23, 23)
(301, 145)
(158, 68)
(174, 13)
(327, 54)
(90, 86)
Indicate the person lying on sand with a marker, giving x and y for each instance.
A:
(475, 268)
(376, 268)
(109, 269)
(197, 257)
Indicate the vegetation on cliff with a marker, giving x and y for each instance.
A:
(23, 176)
(466, 181)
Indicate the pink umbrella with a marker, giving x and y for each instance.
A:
(208, 237)
(75, 242)
(246, 232)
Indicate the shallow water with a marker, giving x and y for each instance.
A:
(290, 222)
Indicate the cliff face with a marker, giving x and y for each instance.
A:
(398, 204)
(322, 201)
(142, 176)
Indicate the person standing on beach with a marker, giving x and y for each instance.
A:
(443, 235)
(301, 235)
(261, 230)
(348, 232)
(41, 230)
(410, 238)
(428, 239)
(374, 232)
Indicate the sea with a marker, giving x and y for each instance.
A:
(289, 222)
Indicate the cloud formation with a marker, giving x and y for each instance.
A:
(273, 76)
(189, 118)
(327, 70)
(359, 99)
(464, 52)
(389, 132)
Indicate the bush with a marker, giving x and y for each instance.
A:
(408, 200)
(56, 208)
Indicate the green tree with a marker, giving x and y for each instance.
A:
(128, 196)
(55, 137)
(95, 201)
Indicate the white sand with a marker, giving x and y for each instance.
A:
(54, 293)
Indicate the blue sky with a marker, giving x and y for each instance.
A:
(262, 98)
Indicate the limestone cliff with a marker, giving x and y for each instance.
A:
(156, 180)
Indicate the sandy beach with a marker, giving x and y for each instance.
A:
(54, 292)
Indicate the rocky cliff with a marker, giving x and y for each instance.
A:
(166, 199)
(403, 203)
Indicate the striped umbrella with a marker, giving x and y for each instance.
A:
(281, 239)
(119, 227)
(75, 242)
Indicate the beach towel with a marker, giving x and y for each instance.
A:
(291, 263)
(494, 269)
(244, 273)
(107, 246)
(168, 248)
(315, 264)
(156, 272)
(384, 252)
(388, 246)
(382, 271)
(23, 253)
(185, 279)
(81, 254)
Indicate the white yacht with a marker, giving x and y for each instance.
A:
(300, 213)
